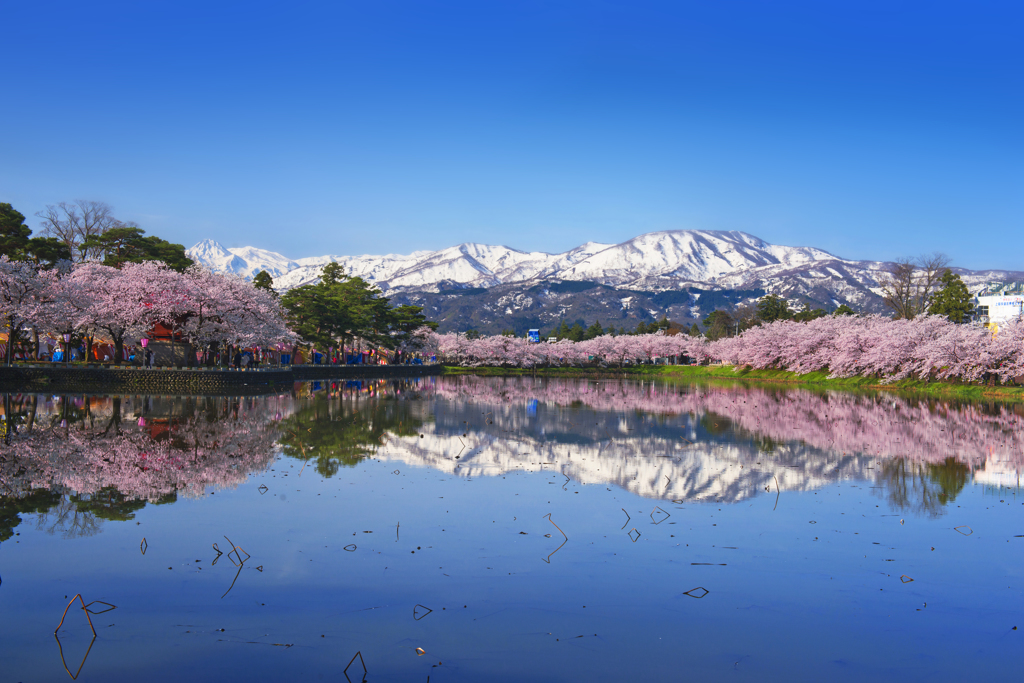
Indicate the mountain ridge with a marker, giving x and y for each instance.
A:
(698, 256)
(509, 281)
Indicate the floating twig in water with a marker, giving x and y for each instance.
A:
(414, 612)
(235, 551)
(219, 553)
(567, 480)
(969, 530)
(360, 656)
(143, 546)
(84, 609)
(74, 676)
(692, 592)
(777, 491)
(630, 534)
(548, 559)
(233, 581)
(102, 611)
(656, 508)
(627, 518)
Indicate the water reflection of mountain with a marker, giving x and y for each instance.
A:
(693, 443)
(76, 461)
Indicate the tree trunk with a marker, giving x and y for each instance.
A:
(33, 406)
(10, 339)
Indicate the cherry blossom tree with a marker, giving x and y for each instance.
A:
(23, 291)
(925, 347)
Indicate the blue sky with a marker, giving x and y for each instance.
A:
(869, 129)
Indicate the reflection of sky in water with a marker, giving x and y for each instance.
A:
(798, 512)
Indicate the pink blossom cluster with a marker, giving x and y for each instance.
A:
(521, 353)
(927, 347)
(836, 422)
(122, 304)
(874, 346)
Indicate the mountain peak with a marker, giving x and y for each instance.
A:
(666, 261)
(208, 249)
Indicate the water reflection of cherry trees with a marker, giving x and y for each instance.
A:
(879, 425)
(730, 443)
(76, 461)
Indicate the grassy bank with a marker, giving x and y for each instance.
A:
(729, 373)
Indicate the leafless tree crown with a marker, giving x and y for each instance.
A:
(908, 284)
(73, 222)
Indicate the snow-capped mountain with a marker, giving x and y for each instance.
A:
(661, 259)
(244, 261)
(633, 274)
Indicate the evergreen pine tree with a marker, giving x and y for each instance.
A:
(953, 300)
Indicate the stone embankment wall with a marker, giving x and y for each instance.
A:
(57, 378)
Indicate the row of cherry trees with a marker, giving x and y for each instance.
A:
(519, 352)
(927, 347)
(844, 346)
(124, 304)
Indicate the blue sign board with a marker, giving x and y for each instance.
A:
(533, 336)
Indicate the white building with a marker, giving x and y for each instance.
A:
(996, 309)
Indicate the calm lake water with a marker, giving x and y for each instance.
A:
(472, 529)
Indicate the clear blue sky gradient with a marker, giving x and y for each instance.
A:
(869, 129)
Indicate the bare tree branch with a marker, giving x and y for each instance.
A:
(73, 222)
(898, 288)
(909, 283)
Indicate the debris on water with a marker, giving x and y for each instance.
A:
(660, 518)
(358, 654)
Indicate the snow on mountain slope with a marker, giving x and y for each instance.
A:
(684, 254)
(654, 262)
(214, 256)
(261, 259)
(244, 261)
(679, 255)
